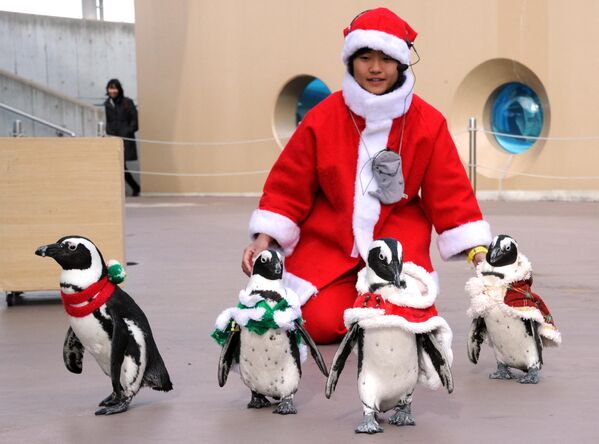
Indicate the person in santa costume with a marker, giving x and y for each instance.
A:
(372, 160)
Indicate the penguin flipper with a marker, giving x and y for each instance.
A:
(120, 339)
(72, 352)
(347, 344)
(229, 352)
(476, 336)
(532, 328)
(313, 348)
(428, 344)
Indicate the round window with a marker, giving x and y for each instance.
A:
(296, 98)
(314, 92)
(516, 110)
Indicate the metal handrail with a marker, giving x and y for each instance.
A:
(38, 120)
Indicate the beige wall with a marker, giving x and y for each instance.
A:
(54, 187)
(212, 71)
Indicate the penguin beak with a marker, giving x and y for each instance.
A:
(494, 255)
(278, 269)
(48, 250)
(397, 274)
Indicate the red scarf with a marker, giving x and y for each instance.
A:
(410, 314)
(95, 295)
(519, 294)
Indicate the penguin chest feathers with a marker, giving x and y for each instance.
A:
(91, 331)
(267, 363)
(388, 367)
(512, 344)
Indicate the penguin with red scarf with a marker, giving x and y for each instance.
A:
(514, 320)
(400, 338)
(106, 322)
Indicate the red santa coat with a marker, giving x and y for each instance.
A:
(316, 205)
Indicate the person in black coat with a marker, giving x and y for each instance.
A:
(121, 121)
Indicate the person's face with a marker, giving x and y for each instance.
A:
(113, 92)
(375, 71)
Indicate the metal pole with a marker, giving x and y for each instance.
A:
(17, 128)
(100, 129)
(472, 151)
(37, 120)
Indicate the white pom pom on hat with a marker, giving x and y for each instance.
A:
(382, 30)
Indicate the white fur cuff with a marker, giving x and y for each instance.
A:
(279, 227)
(455, 241)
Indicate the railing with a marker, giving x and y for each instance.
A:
(17, 126)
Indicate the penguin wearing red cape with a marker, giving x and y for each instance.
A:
(400, 338)
(105, 322)
(514, 320)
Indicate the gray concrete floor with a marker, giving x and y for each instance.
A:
(189, 251)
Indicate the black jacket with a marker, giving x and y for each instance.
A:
(121, 120)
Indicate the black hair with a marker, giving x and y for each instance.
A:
(401, 67)
(117, 84)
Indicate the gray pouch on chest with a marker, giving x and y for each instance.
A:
(387, 172)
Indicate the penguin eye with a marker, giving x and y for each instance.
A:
(71, 247)
(508, 248)
(263, 259)
(381, 256)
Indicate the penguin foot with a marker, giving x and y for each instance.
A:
(258, 401)
(369, 425)
(402, 416)
(503, 372)
(121, 405)
(109, 400)
(286, 407)
(532, 377)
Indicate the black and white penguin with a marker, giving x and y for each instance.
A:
(263, 336)
(107, 323)
(399, 336)
(516, 330)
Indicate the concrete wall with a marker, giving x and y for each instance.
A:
(72, 56)
(217, 71)
(46, 104)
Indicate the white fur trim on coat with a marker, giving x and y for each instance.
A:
(374, 318)
(303, 289)
(379, 112)
(377, 40)
(420, 292)
(279, 227)
(454, 242)
(373, 107)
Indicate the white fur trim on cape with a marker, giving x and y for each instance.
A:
(279, 227)
(371, 318)
(489, 291)
(377, 40)
(420, 292)
(304, 289)
(453, 243)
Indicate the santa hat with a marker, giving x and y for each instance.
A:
(382, 30)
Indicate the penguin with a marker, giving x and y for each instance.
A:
(106, 322)
(399, 337)
(269, 357)
(516, 331)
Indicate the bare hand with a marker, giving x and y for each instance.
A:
(257, 246)
(478, 258)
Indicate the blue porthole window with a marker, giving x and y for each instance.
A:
(516, 110)
(313, 93)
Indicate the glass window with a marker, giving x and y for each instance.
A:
(516, 110)
(312, 94)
